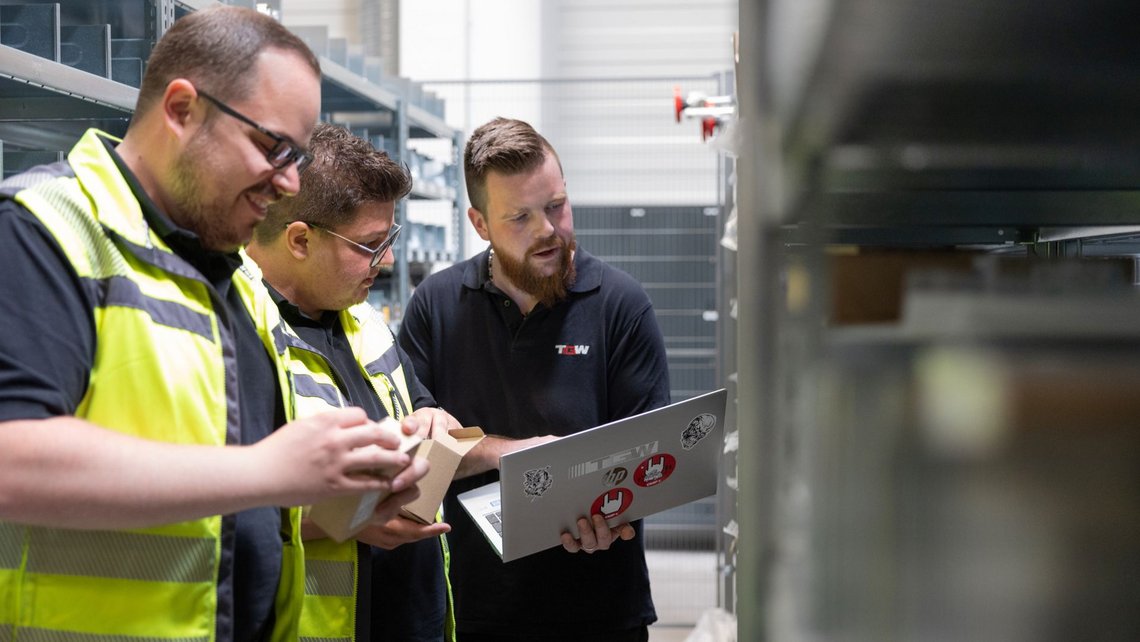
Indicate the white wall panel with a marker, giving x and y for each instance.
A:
(560, 61)
(340, 16)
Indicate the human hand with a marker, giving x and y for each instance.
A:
(332, 453)
(396, 531)
(595, 535)
(429, 423)
(485, 456)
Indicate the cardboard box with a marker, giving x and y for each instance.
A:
(869, 287)
(343, 517)
(443, 455)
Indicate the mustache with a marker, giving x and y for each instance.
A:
(552, 242)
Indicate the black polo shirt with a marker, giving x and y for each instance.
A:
(47, 351)
(594, 358)
(404, 587)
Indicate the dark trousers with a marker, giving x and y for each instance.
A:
(638, 634)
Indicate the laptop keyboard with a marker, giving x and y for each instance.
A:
(496, 519)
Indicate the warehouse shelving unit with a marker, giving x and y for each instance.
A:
(935, 406)
(71, 65)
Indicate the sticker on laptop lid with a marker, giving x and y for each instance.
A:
(612, 503)
(537, 481)
(654, 470)
(698, 429)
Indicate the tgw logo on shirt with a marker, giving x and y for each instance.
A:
(570, 351)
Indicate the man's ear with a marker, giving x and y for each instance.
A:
(479, 222)
(297, 236)
(179, 106)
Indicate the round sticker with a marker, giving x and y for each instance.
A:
(612, 503)
(654, 470)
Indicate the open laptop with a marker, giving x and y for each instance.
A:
(624, 470)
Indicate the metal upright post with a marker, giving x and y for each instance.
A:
(401, 274)
(458, 205)
(756, 328)
(160, 17)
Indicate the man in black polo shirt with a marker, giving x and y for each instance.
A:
(533, 338)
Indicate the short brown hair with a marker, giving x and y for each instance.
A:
(214, 48)
(346, 172)
(504, 145)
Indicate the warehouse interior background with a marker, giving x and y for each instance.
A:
(907, 246)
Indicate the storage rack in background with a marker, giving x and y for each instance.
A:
(75, 64)
(949, 453)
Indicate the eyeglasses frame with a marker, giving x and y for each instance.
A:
(379, 252)
(296, 153)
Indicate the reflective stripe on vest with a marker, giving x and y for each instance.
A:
(46, 635)
(121, 291)
(328, 577)
(121, 555)
(308, 386)
(160, 351)
(11, 545)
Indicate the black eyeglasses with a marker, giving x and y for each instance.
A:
(378, 253)
(283, 151)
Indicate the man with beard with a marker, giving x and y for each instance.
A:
(534, 339)
(320, 253)
(144, 482)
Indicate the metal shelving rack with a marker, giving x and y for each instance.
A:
(1001, 129)
(47, 103)
(389, 117)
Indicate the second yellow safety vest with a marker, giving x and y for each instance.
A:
(331, 569)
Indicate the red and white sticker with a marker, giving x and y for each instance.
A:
(654, 470)
(612, 503)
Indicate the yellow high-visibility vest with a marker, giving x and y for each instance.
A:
(162, 371)
(331, 569)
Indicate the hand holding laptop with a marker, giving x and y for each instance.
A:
(596, 535)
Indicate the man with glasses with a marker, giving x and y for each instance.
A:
(148, 454)
(320, 253)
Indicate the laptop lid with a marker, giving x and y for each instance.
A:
(624, 470)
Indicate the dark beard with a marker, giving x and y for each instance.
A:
(549, 290)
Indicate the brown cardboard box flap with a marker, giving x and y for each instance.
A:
(443, 455)
(466, 438)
